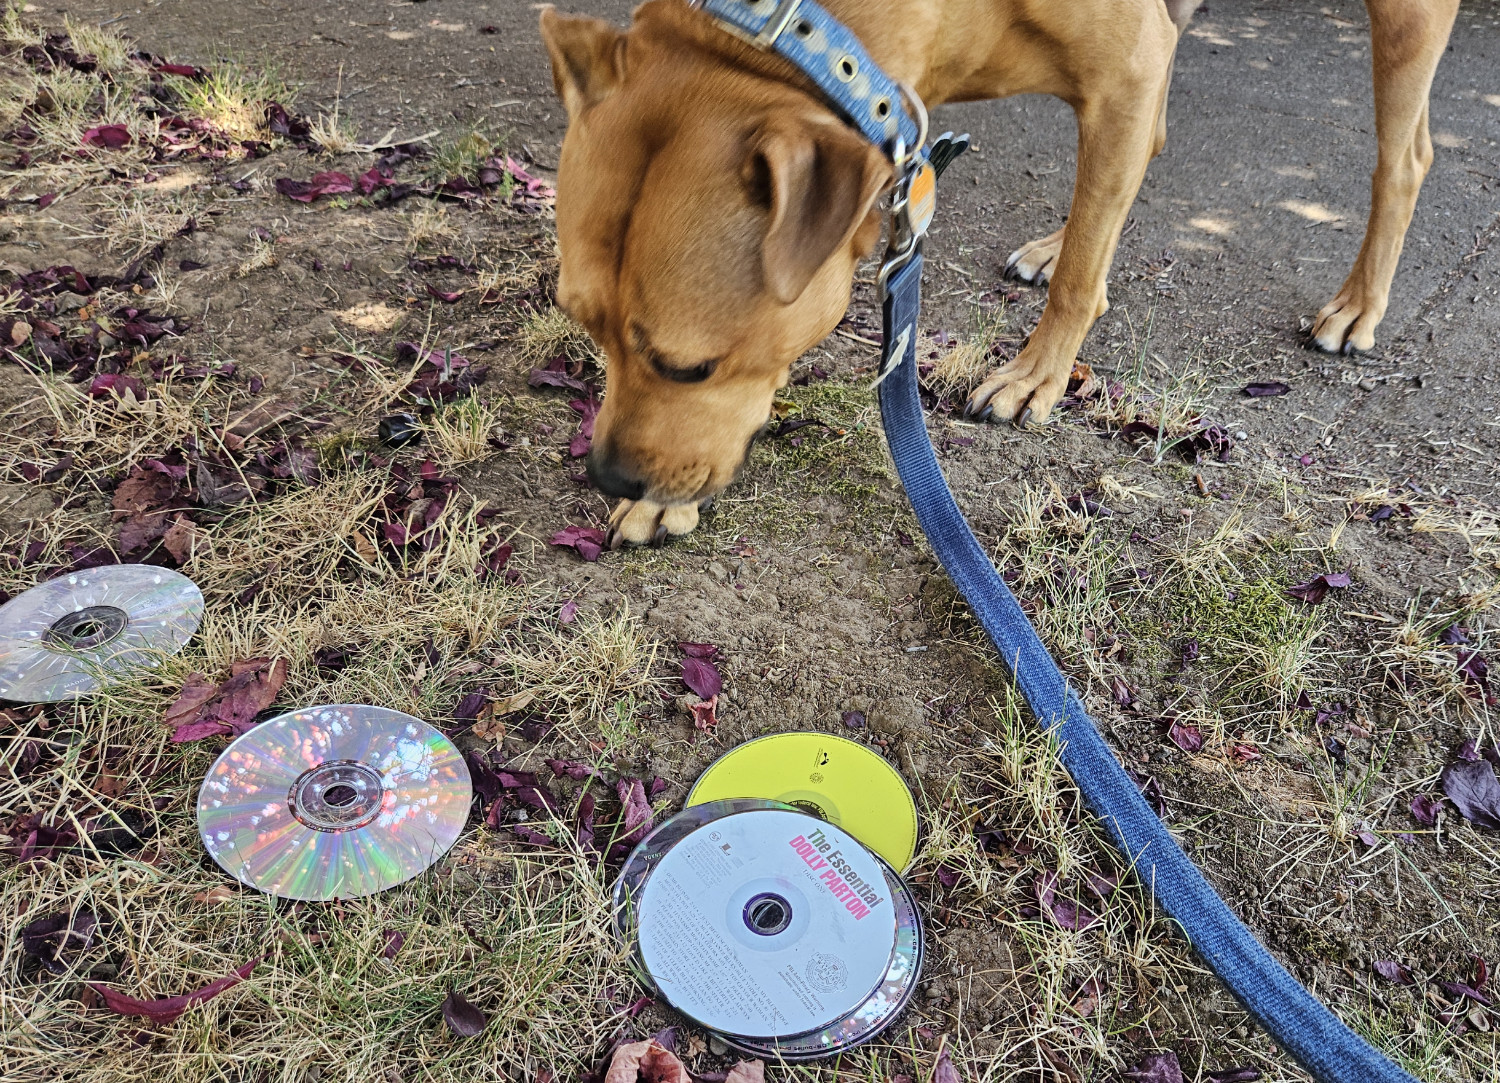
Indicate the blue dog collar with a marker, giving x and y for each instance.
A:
(829, 54)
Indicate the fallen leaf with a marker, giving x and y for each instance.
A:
(1067, 913)
(203, 709)
(167, 1009)
(568, 613)
(705, 714)
(1473, 788)
(322, 184)
(636, 815)
(588, 540)
(112, 136)
(1425, 808)
(463, 1018)
(394, 938)
(1267, 389)
(1186, 737)
(942, 1068)
(1156, 1068)
(217, 894)
(50, 938)
(702, 677)
(1316, 589)
(651, 1062)
(518, 702)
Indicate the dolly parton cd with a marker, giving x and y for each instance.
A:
(64, 638)
(334, 802)
(770, 927)
(835, 779)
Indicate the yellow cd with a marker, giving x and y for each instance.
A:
(833, 778)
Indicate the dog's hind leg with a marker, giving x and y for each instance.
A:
(1116, 130)
(1407, 39)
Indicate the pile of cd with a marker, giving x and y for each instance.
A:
(770, 927)
(64, 638)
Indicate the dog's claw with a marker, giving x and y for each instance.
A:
(986, 413)
(1023, 417)
(659, 538)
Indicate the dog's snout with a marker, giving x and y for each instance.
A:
(610, 478)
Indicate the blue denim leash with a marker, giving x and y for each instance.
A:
(832, 57)
(1289, 1013)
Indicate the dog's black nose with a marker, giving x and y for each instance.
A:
(608, 477)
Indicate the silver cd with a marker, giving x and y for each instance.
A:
(64, 638)
(334, 802)
(764, 924)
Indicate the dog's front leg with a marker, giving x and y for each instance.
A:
(1407, 38)
(642, 522)
(1116, 134)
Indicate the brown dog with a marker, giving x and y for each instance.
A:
(712, 207)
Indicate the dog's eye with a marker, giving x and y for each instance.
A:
(696, 374)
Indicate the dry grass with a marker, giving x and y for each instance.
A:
(960, 369)
(545, 334)
(428, 224)
(460, 434)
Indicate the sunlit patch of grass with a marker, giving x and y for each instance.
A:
(428, 223)
(960, 369)
(233, 98)
(460, 433)
(262, 254)
(545, 334)
(463, 156)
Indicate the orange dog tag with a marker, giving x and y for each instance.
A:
(921, 198)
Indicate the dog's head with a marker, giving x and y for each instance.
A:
(709, 218)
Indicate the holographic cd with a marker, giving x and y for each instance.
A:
(334, 802)
(66, 637)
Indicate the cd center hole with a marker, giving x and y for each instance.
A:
(340, 795)
(768, 915)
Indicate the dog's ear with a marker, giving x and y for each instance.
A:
(817, 182)
(588, 58)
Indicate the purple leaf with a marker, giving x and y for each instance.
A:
(1067, 913)
(112, 136)
(574, 769)
(943, 1070)
(1267, 389)
(637, 815)
(1188, 738)
(1425, 808)
(588, 540)
(322, 184)
(569, 612)
(1156, 1068)
(50, 938)
(1234, 1075)
(855, 720)
(1473, 788)
(702, 677)
(463, 1018)
(707, 651)
(1393, 971)
(394, 938)
(1458, 989)
(1315, 589)
(167, 1009)
(448, 297)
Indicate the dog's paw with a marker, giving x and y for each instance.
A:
(1023, 390)
(641, 522)
(1036, 261)
(1347, 323)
